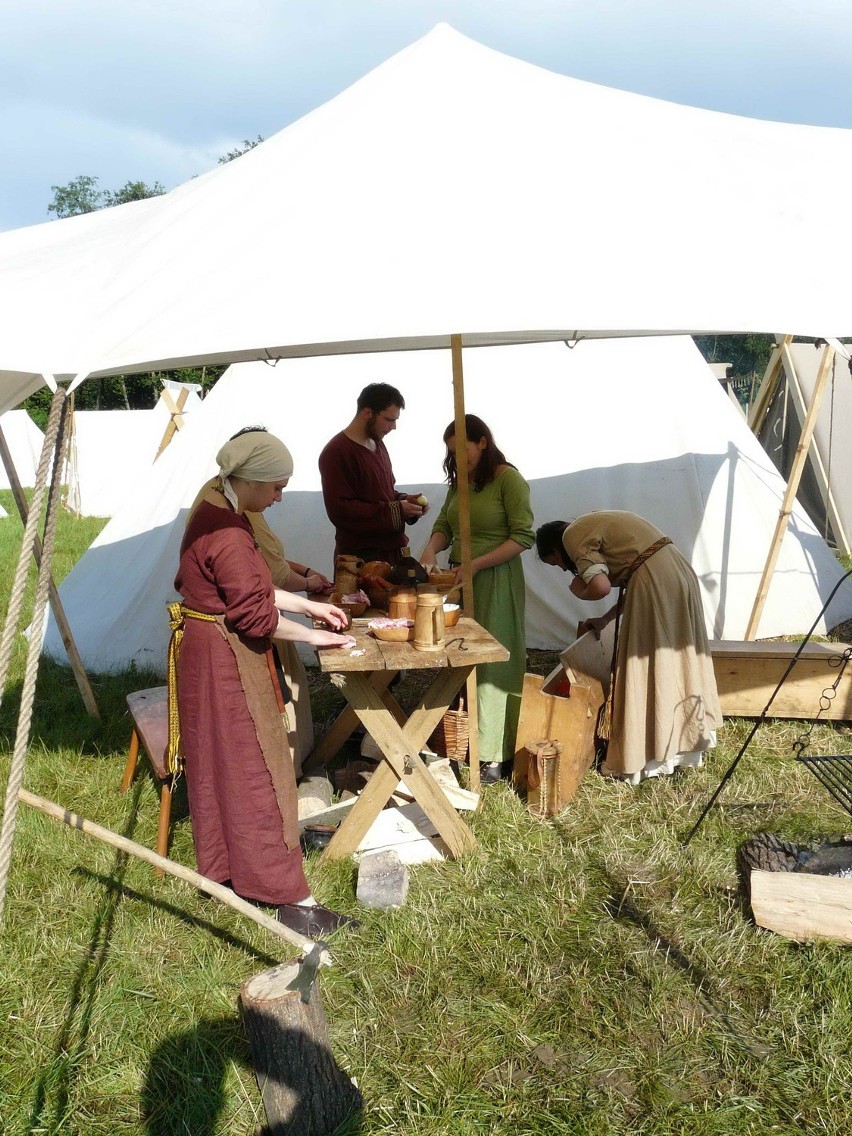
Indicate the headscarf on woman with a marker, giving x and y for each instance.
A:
(255, 456)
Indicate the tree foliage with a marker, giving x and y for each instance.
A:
(238, 151)
(81, 195)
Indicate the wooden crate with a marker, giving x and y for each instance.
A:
(748, 672)
(568, 718)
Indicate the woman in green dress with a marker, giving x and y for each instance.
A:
(500, 528)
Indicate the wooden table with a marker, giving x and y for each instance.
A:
(364, 680)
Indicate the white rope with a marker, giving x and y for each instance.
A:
(52, 447)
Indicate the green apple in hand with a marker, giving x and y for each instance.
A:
(421, 501)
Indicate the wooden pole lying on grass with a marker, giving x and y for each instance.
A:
(223, 894)
(304, 1090)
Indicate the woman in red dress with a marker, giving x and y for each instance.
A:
(239, 774)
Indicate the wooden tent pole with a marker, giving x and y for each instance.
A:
(82, 679)
(176, 421)
(223, 894)
(464, 540)
(790, 492)
(758, 409)
(817, 464)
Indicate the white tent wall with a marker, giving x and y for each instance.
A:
(545, 207)
(110, 452)
(638, 424)
(25, 442)
(782, 427)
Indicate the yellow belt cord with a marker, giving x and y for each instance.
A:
(178, 614)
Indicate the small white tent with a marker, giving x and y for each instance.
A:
(25, 442)
(638, 424)
(109, 451)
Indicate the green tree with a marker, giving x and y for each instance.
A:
(80, 195)
(243, 148)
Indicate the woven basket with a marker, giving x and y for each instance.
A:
(452, 735)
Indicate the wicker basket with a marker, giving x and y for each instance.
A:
(452, 735)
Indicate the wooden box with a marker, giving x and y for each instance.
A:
(562, 707)
(748, 672)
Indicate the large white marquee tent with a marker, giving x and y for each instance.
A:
(629, 423)
(452, 190)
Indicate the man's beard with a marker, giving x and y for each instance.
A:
(373, 432)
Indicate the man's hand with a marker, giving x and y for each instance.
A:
(410, 509)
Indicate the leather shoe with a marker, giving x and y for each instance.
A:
(313, 920)
(491, 772)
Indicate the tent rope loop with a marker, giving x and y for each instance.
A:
(52, 449)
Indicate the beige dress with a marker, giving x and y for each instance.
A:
(665, 702)
(300, 725)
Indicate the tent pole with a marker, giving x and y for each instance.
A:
(817, 464)
(83, 684)
(176, 420)
(757, 411)
(790, 492)
(464, 534)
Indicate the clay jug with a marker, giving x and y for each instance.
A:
(429, 623)
(346, 569)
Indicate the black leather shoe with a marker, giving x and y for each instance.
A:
(491, 772)
(314, 921)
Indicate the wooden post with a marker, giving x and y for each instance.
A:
(464, 540)
(176, 420)
(304, 1090)
(790, 492)
(757, 411)
(218, 891)
(819, 469)
(82, 679)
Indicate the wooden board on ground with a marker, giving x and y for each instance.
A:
(801, 906)
(748, 672)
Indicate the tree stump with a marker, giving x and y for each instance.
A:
(303, 1088)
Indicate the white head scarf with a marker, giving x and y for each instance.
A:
(256, 456)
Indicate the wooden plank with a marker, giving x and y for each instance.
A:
(801, 906)
(790, 492)
(745, 686)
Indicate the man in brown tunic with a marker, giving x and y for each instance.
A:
(368, 514)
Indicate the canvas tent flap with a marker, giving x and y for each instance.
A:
(513, 204)
(637, 424)
(25, 442)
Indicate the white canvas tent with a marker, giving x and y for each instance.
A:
(639, 424)
(109, 451)
(25, 442)
(825, 490)
(452, 190)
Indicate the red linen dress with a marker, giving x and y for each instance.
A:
(240, 783)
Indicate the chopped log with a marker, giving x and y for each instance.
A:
(803, 907)
(314, 795)
(304, 1090)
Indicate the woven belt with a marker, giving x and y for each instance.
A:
(178, 615)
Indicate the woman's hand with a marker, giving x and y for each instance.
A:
(320, 638)
(596, 623)
(328, 613)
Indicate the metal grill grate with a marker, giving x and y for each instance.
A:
(834, 772)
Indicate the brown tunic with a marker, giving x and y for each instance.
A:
(242, 793)
(665, 700)
(361, 501)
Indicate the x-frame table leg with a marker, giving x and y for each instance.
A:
(400, 746)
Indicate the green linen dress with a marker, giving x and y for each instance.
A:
(499, 511)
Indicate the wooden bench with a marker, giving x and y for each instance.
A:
(149, 710)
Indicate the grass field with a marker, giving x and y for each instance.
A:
(586, 976)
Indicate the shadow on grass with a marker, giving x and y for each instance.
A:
(621, 906)
(53, 1089)
(184, 1086)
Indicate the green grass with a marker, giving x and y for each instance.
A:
(586, 976)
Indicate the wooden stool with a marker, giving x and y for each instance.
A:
(149, 710)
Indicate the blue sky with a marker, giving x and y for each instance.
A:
(159, 89)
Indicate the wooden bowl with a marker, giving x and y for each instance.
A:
(393, 634)
(442, 580)
(452, 613)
